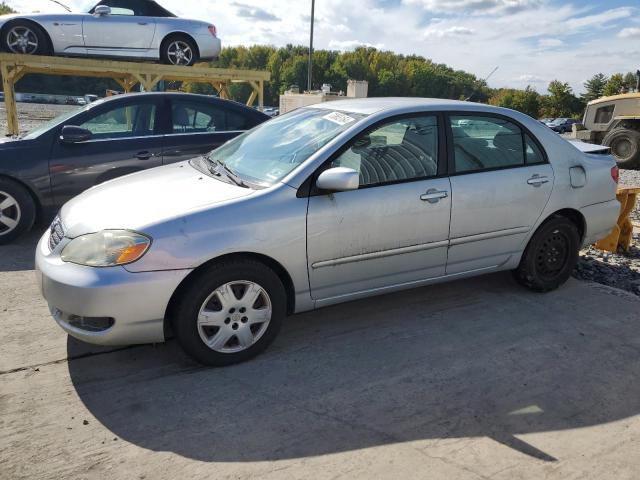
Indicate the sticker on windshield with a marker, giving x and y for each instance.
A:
(339, 118)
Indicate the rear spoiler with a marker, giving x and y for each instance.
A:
(589, 147)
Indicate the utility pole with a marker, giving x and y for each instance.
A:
(313, 4)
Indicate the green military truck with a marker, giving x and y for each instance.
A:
(614, 122)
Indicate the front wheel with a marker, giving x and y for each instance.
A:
(550, 257)
(24, 38)
(230, 313)
(178, 50)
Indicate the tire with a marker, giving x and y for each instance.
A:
(173, 45)
(32, 33)
(625, 147)
(550, 257)
(232, 327)
(17, 210)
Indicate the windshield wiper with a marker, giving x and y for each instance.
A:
(233, 176)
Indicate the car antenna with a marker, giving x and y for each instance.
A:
(62, 5)
(485, 80)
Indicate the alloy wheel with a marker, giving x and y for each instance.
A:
(10, 213)
(179, 53)
(21, 39)
(234, 316)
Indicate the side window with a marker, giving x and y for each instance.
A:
(119, 7)
(122, 122)
(192, 118)
(404, 149)
(482, 143)
(604, 114)
(236, 121)
(533, 153)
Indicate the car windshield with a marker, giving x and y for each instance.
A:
(36, 132)
(270, 151)
(559, 121)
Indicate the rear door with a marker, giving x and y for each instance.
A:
(198, 126)
(126, 138)
(501, 182)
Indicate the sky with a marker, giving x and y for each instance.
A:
(530, 41)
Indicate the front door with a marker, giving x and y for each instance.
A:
(126, 28)
(501, 183)
(125, 139)
(394, 229)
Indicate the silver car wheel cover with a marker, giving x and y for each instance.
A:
(179, 53)
(234, 317)
(21, 39)
(10, 213)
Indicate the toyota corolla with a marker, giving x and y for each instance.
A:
(326, 204)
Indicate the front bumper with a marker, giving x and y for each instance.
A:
(135, 303)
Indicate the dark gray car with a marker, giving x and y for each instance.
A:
(107, 139)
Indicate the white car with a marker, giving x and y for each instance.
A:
(139, 29)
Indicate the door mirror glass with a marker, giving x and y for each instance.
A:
(73, 134)
(338, 179)
(102, 10)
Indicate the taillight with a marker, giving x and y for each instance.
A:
(615, 173)
(213, 30)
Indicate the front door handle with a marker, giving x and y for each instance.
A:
(144, 155)
(142, 23)
(537, 180)
(433, 196)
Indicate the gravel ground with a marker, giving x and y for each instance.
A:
(621, 270)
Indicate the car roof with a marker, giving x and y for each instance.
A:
(368, 106)
(188, 96)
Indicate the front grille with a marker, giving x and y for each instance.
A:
(56, 233)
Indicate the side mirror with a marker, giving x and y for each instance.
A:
(73, 134)
(102, 10)
(338, 179)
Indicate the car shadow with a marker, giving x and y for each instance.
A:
(475, 358)
(20, 254)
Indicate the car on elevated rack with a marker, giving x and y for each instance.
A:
(328, 203)
(137, 29)
(108, 138)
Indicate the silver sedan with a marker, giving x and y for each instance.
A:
(139, 29)
(326, 204)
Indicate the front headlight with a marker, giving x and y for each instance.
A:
(107, 248)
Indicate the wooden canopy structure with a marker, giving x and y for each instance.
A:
(126, 74)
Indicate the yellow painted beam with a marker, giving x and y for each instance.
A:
(9, 101)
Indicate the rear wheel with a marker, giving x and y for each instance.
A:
(550, 257)
(17, 210)
(230, 313)
(179, 50)
(625, 147)
(24, 38)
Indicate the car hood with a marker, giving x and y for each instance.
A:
(146, 198)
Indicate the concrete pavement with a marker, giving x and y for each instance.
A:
(472, 379)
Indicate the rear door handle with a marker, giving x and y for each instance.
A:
(537, 180)
(144, 155)
(142, 23)
(433, 196)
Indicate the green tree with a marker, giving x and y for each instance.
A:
(630, 81)
(594, 87)
(4, 9)
(525, 101)
(614, 86)
(561, 102)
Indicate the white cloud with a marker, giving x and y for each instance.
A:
(448, 32)
(475, 6)
(630, 32)
(529, 78)
(550, 42)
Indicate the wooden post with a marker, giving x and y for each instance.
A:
(261, 95)
(9, 100)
